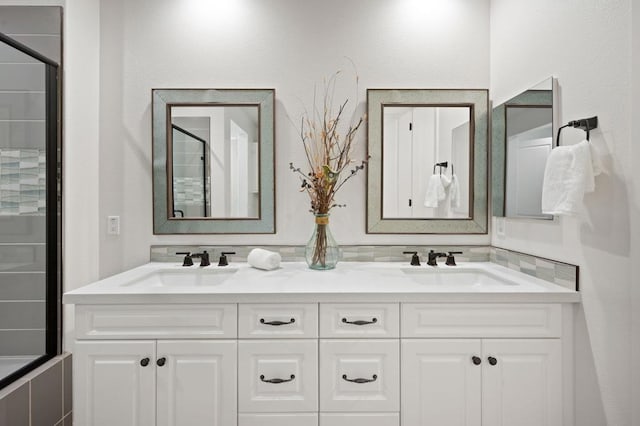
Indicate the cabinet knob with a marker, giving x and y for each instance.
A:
(144, 362)
(492, 360)
(360, 322)
(161, 361)
(476, 360)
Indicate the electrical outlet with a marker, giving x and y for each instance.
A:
(113, 225)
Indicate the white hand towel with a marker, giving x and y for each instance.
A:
(445, 181)
(454, 192)
(435, 192)
(264, 259)
(568, 175)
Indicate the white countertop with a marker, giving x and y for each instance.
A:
(295, 282)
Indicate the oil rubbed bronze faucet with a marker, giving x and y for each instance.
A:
(432, 257)
(204, 258)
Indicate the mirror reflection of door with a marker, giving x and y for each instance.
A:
(529, 142)
(214, 161)
(415, 138)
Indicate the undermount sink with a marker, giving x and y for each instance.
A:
(465, 278)
(180, 278)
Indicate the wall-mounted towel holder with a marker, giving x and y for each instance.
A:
(444, 164)
(585, 124)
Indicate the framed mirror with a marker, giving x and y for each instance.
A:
(427, 171)
(522, 138)
(213, 161)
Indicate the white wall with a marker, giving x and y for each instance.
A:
(635, 213)
(289, 45)
(587, 46)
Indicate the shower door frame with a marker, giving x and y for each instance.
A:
(53, 215)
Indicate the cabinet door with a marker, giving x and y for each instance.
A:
(114, 383)
(441, 384)
(196, 382)
(524, 385)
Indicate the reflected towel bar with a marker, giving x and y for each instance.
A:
(444, 164)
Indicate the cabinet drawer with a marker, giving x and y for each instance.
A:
(278, 321)
(175, 321)
(359, 419)
(278, 376)
(481, 320)
(278, 419)
(360, 375)
(360, 320)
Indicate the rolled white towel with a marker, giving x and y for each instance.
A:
(264, 259)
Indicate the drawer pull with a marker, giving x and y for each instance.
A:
(276, 323)
(276, 381)
(360, 322)
(360, 380)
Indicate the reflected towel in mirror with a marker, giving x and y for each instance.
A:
(435, 192)
(454, 192)
(568, 175)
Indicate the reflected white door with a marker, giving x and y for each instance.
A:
(526, 160)
(239, 171)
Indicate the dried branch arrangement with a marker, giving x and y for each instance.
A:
(328, 151)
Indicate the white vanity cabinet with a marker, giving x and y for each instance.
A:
(512, 376)
(375, 360)
(146, 365)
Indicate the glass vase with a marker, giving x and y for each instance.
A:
(322, 251)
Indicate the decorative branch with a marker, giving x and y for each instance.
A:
(327, 152)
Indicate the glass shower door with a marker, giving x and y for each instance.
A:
(29, 210)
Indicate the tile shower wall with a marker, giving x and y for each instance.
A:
(41, 398)
(22, 176)
(22, 181)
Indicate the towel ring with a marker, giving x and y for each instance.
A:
(444, 164)
(586, 124)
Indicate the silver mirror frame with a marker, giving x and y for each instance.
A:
(162, 100)
(478, 101)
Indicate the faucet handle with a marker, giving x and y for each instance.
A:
(188, 261)
(415, 260)
(223, 258)
(451, 261)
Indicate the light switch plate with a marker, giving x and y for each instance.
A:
(113, 225)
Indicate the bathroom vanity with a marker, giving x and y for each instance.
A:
(376, 344)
